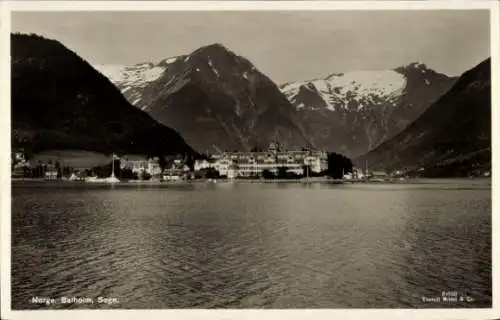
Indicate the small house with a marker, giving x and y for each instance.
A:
(379, 175)
(51, 174)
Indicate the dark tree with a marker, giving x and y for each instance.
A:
(267, 174)
(162, 163)
(190, 159)
(117, 168)
(282, 173)
(58, 169)
(169, 162)
(26, 171)
(15, 161)
(105, 171)
(307, 172)
(338, 165)
(66, 171)
(211, 173)
(127, 174)
(292, 175)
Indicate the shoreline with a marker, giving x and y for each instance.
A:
(157, 182)
(244, 181)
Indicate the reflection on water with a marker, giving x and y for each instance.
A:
(252, 245)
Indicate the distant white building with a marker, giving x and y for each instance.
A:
(51, 174)
(201, 164)
(19, 156)
(232, 172)
(153, 167)
(19, 159)
(222, 165)
(358, 173)
(250, 164)
(348, 176)
(172, 177)
(140, 164)
(379, 175)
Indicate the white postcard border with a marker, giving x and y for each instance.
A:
(8, 6)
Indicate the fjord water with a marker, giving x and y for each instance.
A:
(252, 245)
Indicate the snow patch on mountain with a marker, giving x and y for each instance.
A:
(126, 89)
(111, 71)
(213, 69)
(152, 74)
(359, 86)
(384, 83)
(131, 76)
(417, 64)
(171, 60)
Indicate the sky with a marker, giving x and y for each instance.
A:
(285, 45)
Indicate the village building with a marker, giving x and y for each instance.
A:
(178, 170)
(379, 175)
(202, 164)
(51, 174)
(141, 165)
(19, 163)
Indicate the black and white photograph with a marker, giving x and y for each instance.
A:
(246, 157)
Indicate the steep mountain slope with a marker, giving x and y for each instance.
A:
(60, 102)
(354, 112)
(451, 138)
(215, 99)
(133, 79)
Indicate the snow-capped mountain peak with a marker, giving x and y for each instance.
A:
(384, 83)
(338, 89)
(357, 110)
(133, 79)
(137, 75)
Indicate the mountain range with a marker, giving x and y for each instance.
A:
(451, 138)
(59, 101)
(214, 98)
(410, 118)
(218, 100)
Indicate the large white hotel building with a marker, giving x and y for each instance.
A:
(249, 164)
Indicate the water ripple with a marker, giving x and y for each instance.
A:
(252, 246)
